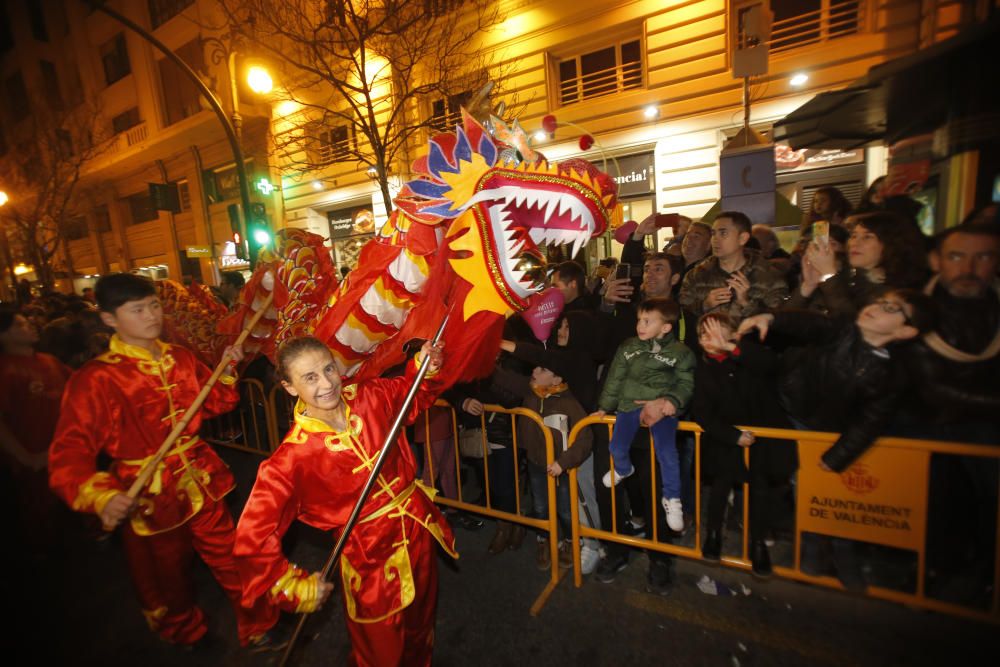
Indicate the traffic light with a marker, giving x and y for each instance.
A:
(236, 224)
(258, 231)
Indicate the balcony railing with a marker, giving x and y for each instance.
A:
(126, 139)
(624, 76)
(836, 18)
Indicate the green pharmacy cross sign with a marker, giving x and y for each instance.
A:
(264, 186)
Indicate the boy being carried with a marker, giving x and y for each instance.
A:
(652, 366)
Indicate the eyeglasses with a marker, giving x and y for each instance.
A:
(892, 308)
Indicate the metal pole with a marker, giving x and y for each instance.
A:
(234, 94)
(213, 101)
(390, 440)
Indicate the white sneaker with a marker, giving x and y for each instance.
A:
(606, 480)
(589, 558)
(675, 513)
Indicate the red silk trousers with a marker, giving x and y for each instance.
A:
(406, 637)
(160, 566)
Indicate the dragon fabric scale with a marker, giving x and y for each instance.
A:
(463, 239)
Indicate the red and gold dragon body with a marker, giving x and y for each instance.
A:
(464, 239)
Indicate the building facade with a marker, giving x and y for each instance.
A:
(650, 80)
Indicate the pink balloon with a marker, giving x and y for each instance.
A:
(543, 311)
(623, 233)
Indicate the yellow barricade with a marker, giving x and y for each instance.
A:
(248, 427)
(549, 525)
(882, 498)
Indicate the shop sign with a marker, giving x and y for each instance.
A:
(351, 222)
(786, 159)
(193, 251)
(634, 174)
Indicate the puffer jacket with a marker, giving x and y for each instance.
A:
(836, 382)
(646, 370)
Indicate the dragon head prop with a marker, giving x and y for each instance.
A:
(497, 213)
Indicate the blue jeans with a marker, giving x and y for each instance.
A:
(664, 432)
(539, 479)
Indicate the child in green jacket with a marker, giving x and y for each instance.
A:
(652, 366)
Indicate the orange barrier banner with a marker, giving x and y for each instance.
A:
(881, 498)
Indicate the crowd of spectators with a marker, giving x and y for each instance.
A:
(872, 329)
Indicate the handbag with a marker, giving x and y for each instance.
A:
(471, 443)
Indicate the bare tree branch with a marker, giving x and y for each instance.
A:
(41, 173)
(364, 72)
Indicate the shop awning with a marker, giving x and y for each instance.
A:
(953, 81)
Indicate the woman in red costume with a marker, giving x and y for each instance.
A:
(388, 567)
(124, 403)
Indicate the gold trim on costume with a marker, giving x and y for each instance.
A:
(153, 617)
(298, 587)
(96, 492)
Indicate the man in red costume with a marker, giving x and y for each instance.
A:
(388, 567)
(124, 403)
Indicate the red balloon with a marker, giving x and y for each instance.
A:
(586, 141)
(549, 123)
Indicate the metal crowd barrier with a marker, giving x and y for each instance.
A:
(248, 427)
(891, 480)
(907, 462)
(549, 525)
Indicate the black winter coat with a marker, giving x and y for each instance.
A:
(837, 383)
(741, 390)
(946, 391)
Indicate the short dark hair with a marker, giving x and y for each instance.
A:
(116, 289)
(676, 262)
(289, 350)
(665, 307)
(740, 220)
(571, 271)
(924, 315)
(724, 319)
(977, 228)
(234, 279)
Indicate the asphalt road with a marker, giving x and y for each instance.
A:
(76, 606)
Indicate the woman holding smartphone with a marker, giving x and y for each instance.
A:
(884, 250)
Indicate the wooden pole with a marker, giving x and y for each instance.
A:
(150, 467)
(390, 439)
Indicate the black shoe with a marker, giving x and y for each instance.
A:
(712, 549)
(760, 558)
(469, 522)
(609, 568)
(659, 580)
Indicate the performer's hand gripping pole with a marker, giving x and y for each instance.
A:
(390, 440)
(147, 470)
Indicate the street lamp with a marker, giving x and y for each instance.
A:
(259, 80)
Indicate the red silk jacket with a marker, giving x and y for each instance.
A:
(124, 403)
(316, 476)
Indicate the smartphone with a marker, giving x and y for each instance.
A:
(623, 270)
(666, 220)
(821, 233)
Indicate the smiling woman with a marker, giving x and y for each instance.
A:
(389, 563)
